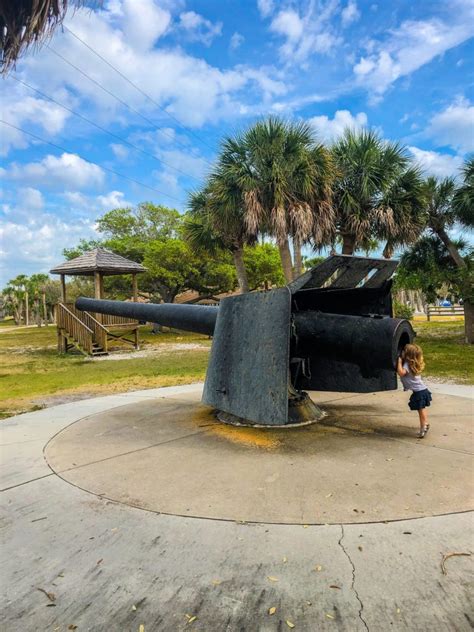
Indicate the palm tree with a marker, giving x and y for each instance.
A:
(215, 222)
(25, 23)
(285, 179)
(446, 206)
(376, 193)
(463, 202)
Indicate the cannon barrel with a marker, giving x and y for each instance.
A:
(373, 340)
(200, 319)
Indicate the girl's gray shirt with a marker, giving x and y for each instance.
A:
(412, 382)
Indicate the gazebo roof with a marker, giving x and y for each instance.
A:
(98, 260)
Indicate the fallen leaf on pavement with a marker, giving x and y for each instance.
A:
(305, 526)
(285, 560)
(216, 582)
(134, 607)
(141, 628)
(328, 495)
(360, 548)
(398, 610)
(318, 568)
(100, 561)
(290, 624)
(272, 579)
(49, 595)
(447, 556)
(272, 610)
(72, 627)
(192, 619)
(329, 616)
(334, 586)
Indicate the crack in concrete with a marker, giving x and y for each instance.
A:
(353, 588)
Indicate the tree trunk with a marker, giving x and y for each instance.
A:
(388, 251)
(241, 271)
(469, 321)
(297, 258)
(453, 251)
(348, 244)
(286, 262)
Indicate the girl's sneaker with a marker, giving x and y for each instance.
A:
(423, 431)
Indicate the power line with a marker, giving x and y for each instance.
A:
(115, 173)
(160, 107)
(120, 138)
(124, 103)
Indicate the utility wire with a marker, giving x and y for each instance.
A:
(160, 107)
(115, 173)
(124, 103)
(102, 129)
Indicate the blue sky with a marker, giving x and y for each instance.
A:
(210, 69)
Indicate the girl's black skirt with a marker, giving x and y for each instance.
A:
(419, 399)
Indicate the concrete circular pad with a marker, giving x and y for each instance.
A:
(362, 463)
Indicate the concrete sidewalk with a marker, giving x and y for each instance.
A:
(110, 566)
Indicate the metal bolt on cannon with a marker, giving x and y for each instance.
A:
(329, 330)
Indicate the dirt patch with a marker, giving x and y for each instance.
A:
(146, 353)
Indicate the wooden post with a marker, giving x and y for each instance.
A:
(135, 287)
(45, 309)
(63, 288)
(98, 292)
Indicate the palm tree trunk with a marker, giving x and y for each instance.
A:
(298, 258)
(348, 244)
(240, 270)
(388, 251)
(453, 251)
(286, 262)
(469, 322)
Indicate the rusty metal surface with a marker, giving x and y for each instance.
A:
(248, 368)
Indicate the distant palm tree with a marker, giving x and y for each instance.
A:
(285, 179)
(463, 201)
(25, 23)
(376, 192)
(216, 222)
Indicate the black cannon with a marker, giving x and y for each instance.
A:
(329, 330)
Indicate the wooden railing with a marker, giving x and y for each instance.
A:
(106, 320)
(439, 310)
(76, 328)
(100, 332)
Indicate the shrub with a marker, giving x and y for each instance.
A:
(402, 310)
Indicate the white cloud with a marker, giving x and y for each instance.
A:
(23, 110)
(67, 170)
(350, 13)
(436, 164)
(120, 151)
(306, 34)
(329, 129)
(30, 199)
(236, 40)
(454, 126)
(198, 28)
(35, 243)
(265, 7)
(144, 24)
(410, 46)
(114, 199)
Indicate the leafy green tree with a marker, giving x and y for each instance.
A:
(376, 192)
(263, 265)
(463, 202)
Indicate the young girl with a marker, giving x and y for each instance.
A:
(409, 367)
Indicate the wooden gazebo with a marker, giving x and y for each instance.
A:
(91, 333)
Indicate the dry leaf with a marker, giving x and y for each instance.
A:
(447, 556)
(328, 495)
(318, 568)
(74, 627)
(100, 561)
(334, 586)
(309, 603)
(134, 607)
(329, 616)
(305, 526)
(272, 610)
(216, 582)
(398, 610)
(141, 628)
(285, 560)
(272, 579)
(192, 619)
(290, 624)
(49, 595)
(389, 459)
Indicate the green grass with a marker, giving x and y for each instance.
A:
(32, 371)
(31, 368)
(447, 357)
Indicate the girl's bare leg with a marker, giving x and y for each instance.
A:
(423, 418)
